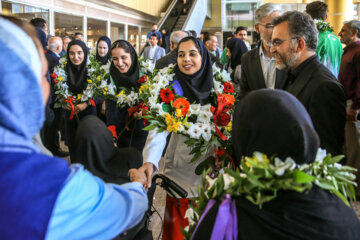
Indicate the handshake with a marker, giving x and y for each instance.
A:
(142, 175)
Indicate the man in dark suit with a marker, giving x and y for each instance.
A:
(51, 128)
(171, 57)
(294, 42)
(258, 65)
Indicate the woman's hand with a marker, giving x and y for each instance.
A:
(137, 176)
(80, 107)
(103, 108)
(147, 169)
(138, 115)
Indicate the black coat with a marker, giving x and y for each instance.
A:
(169, 58)
(324, 99)
(252, 77)
(53, 60)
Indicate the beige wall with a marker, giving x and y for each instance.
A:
(151, 7)
(215, 21)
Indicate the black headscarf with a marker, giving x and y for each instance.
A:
(274, 122)
(94, 148)
(77, 75)
(128, 79)
(104, 60)
(237, 48)
(197, 87)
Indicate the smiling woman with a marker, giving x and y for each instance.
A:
(125, 73)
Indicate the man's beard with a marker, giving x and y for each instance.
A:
(288, 61)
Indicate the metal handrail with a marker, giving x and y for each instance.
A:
(161, 21)
(189, 14)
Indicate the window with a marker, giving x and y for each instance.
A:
(95, 29)
(24, 12)
(67, 25)
(133, 37)
(117, 32)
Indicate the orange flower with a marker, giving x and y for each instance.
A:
(182, 107)
(226, 100)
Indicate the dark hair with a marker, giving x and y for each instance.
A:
(190, 38)
(154, 35)
(193, 33)
(38, 22)
(301, 25)
(120, 44)
(240, 28)
(207, 37)
(154, 24)
(317, 10)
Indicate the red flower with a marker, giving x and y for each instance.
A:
(166, 95)
(220, 152)
(222, 119)
(53, 76)
(183, 105)
(228, 87)
(142, 79)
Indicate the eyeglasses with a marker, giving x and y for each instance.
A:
(267, 26)
(278, 42)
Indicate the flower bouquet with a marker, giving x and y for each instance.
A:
(203, 125)
(96, 84)
(260, 178)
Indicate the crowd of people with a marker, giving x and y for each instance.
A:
(297, 71)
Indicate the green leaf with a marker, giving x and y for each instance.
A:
(301, 177)
(149, 127)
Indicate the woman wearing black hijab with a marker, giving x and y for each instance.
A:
(235, 48)
(125, 72)
(275, 122)
(194, 80)
(103, 47)
(77, 80)
(96, 151)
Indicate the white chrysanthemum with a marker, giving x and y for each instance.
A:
(206, 133)
(204, 117)
(195, 131)
(121, 99)
(194, 109)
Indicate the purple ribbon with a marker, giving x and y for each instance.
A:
(177, 88)
(225, 226)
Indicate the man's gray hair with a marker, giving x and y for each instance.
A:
(175, 37)
(301, 25)
(354, 25)
(265, 10)
(54, 44)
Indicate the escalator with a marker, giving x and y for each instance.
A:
(185, 17)
(176, 18)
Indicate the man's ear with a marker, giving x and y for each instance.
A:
(355, 33)
(301, 45)
(257, 28)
